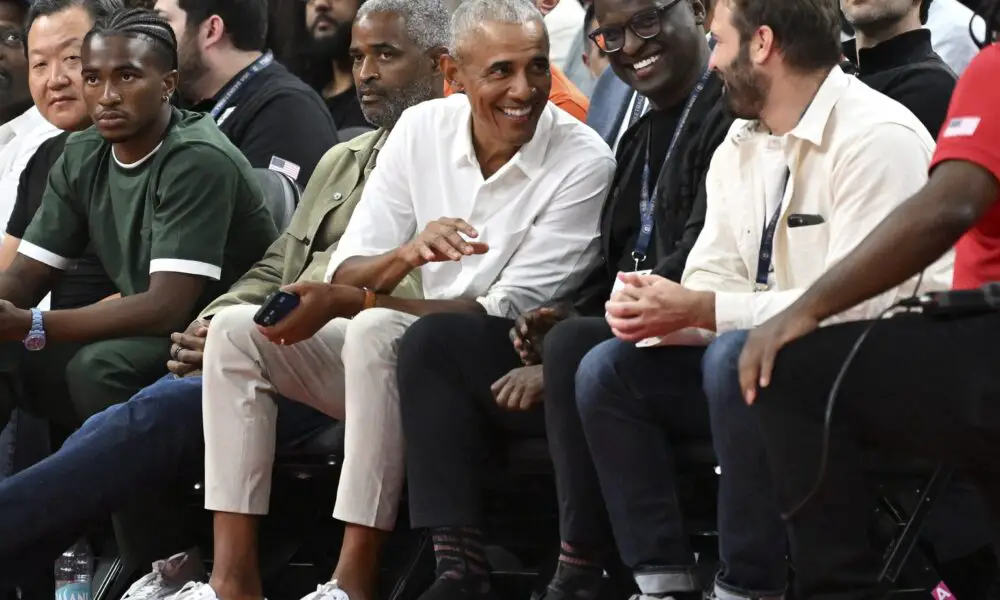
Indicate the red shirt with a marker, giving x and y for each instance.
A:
(972, 133)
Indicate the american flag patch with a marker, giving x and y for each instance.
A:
(283, 166)
(961, 127)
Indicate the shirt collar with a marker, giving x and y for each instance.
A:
(529, 159)
(904, 49)
(27, 122)
(811, 126)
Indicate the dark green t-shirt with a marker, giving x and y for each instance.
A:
(192, 206)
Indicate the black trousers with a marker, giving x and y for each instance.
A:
(446, 365)
(583, 518)
(919, 388)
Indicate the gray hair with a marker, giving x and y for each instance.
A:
(472, 14)
(426, 20)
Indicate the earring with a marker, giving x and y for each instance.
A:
(166, 98)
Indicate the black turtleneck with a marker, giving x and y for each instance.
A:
(906, 69)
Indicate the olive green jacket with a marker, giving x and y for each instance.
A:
(302, 252)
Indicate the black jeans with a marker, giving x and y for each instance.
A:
(918, 387)
(634, 405)
(446, 365)
(583, 519)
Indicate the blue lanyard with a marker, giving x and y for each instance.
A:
(647, 200)
(258, 65)
(767, 241)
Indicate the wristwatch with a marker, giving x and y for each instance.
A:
(35, 340)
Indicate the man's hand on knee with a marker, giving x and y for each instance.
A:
(520, 389)
(188, 349)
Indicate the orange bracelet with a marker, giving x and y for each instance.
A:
(370, 298)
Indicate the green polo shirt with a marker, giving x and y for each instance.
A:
(191, 206)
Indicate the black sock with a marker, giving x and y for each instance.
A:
(579, 572)
(460, 556)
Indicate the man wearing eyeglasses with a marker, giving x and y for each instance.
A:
(651, 219)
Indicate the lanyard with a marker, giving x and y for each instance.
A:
(258, 65)
(638, 107)
(647, 201)
(767, 241)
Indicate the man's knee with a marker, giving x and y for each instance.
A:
(720, 368)
(232, 323)
(597, 378)
(376, 330)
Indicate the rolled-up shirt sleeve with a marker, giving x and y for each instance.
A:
(384, 218)
(559, 248)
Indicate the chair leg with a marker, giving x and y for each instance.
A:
(907, 539)
(103, 591)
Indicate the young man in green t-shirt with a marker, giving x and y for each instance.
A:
(168, 205)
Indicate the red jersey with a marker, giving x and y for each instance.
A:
(972, 133)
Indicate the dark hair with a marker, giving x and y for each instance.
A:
(925, 9)
(245, 20)
(97, 9)
(807, 31)
(141, 22)
(989, 10)
(588, 19)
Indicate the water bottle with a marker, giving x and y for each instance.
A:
(74, 573)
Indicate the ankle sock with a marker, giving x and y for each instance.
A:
(460, 556)
(578, 573)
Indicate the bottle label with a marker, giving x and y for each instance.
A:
(74, 591)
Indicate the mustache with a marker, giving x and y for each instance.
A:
(326, 19)
(370, 89)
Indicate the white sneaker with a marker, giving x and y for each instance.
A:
(167, 578)
(195, 590)
(328, 591)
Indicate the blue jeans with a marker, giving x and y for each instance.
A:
(752, 537)
(123, 455)
(634, 405)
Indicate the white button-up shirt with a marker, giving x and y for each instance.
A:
(19, 138)
(539, 213)
(854, 157)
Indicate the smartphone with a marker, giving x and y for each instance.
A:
(275, 308)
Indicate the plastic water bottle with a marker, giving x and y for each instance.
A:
(74, 571)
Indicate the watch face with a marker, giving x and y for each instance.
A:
(34, 341)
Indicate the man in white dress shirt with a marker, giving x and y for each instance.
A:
(494, 195)
(24, 128)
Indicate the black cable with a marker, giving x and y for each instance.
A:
(831, 400)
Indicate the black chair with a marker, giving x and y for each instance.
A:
(281, 195)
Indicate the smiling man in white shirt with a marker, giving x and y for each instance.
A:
(815, 161)
(494, 195)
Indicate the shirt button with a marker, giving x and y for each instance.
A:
(338, 196)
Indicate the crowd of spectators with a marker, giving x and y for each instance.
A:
(594, 222)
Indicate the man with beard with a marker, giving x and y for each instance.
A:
(272, 116)
(816, 160)
(132, 456)
(329, 25)
(892, 53)
(475, 381)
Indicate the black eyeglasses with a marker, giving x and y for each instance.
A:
(645, 25)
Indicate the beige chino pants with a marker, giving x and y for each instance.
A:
(347, 370)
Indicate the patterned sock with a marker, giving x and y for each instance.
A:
(460, 556)
(579, 572)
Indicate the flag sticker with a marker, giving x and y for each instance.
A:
(283, 166)
(961, 127)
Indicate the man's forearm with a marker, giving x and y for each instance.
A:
(912, 237)
(14, 291)
(380, 273)
(139, 315)
(427, 307)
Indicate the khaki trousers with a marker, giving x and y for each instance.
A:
(347, 370)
